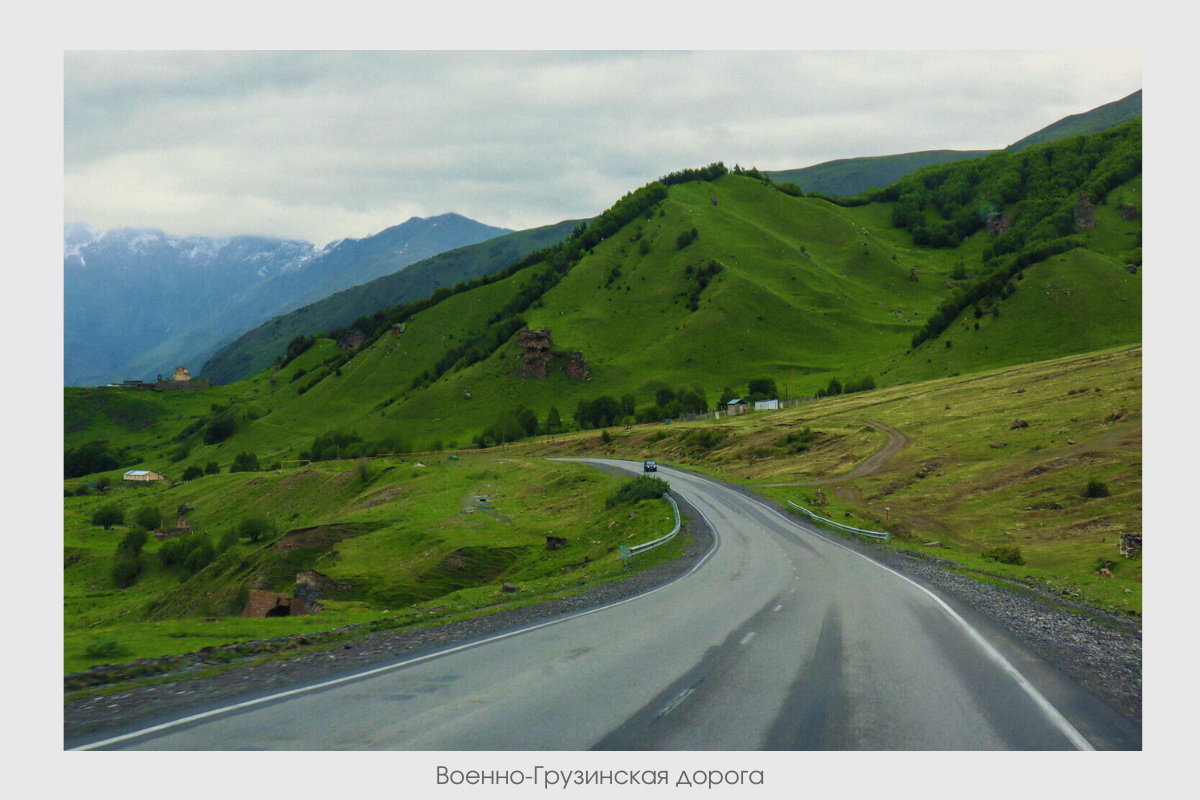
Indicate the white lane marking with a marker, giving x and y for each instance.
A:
(378, 670)
(671, 706)
(1053, 714)
(746, 639)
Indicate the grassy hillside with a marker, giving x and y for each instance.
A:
(257, 349)
(1100, 118)
(963, 475)
(410, 542)
(845, 177)
(796, 290)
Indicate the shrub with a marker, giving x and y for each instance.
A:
(108, 515)
(686, 238)
(193, 472)
(1005, 554)
(212, 468)
(148, 517)
(244, 462)
(705, 439)
(643, 487)
(108, 647)
(605, 438)
(125, 569)
(255, 527)
(202, 554)
(1096, 488)
(363, 467)
(219, 429)
(179, 453)
(133, 542)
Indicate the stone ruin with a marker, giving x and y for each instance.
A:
(1131, 544)
(537, 353)
(998, 223)
(1085, 212)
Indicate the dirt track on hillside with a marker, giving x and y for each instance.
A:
(896, 440)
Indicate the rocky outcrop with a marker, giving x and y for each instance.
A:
(998, 223)
(538, 354)
(312, 586)
(351, 340)
(273, 604)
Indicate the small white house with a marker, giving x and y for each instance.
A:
(143, 475)
(766, 405)
(736, 406)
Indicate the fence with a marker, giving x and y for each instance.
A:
(887, 537)
(627, 552)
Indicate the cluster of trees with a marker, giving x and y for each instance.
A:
(512, 426)
(686, 238)
(709, 173)
(698, 279)
(672, 403)
(195, 471)
(836, 387)
(92, 457)
(338, 445)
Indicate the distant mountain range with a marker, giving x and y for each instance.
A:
(139, 302)
(845, 177)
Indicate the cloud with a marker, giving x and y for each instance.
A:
(320, 146)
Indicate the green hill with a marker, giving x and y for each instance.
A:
(702, 285)
(795, 290)
(256, 349)
(1100, 118)
(844, 177)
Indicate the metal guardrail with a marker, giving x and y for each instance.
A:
(628, 552)
(887, 537)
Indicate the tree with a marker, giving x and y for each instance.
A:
(244, 462)
(553, 421)
(193, 472)
(108, 515)
(527, 419)
(148, 517)
(212, 468)
(133, 541)
(763, 389)
(255, 527)
(628, 403)
(219, 429)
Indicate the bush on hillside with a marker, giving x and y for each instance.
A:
(125, 568)
(255, 527)
(109, 515)
(193, 472)
(148, 517)
(212, 468)
(1005, 554)
(643, 487)
(1096, 488)
(244, 462)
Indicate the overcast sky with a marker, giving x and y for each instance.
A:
(325, 145)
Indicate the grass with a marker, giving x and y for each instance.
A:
(948, 484)
(437, 539)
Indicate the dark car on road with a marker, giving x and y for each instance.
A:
(649, 466)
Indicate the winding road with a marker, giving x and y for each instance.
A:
(779, 639)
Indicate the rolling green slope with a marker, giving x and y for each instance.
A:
(1100, 118)
(845, 177)
(797, 290)
(256, 350)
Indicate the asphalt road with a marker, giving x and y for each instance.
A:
(781, 639)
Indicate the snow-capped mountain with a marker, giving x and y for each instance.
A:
(139, 302)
